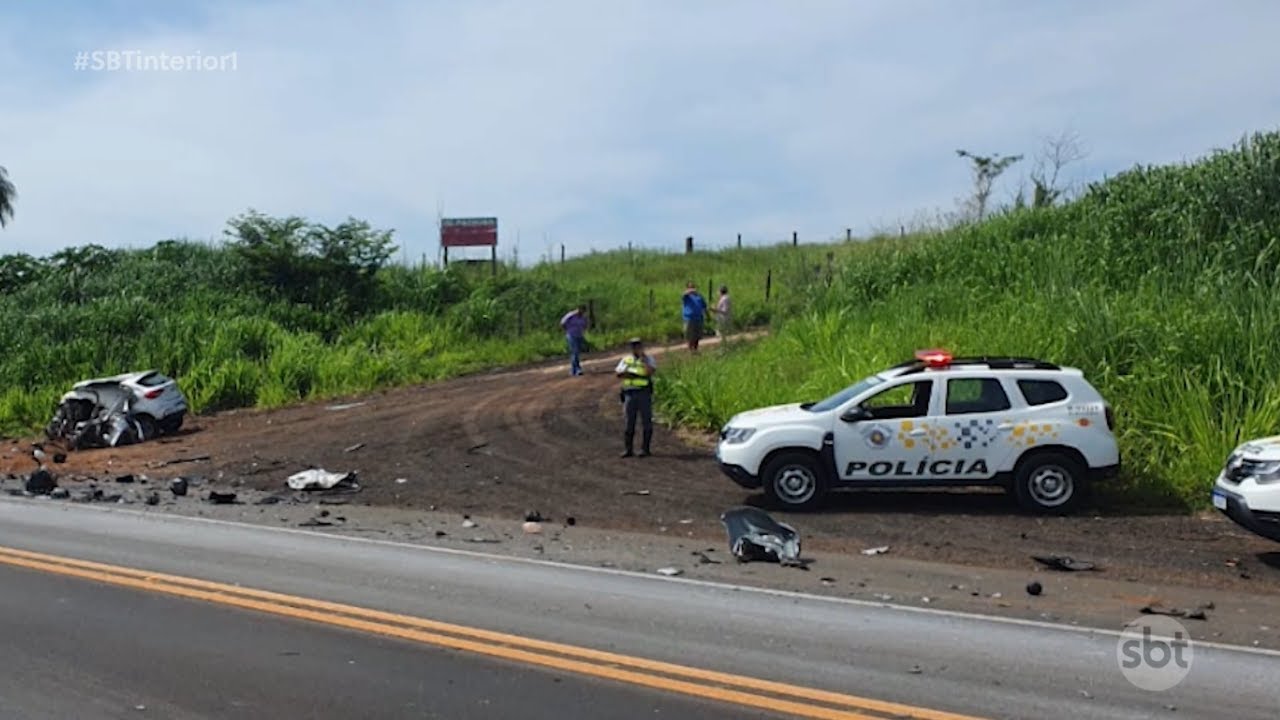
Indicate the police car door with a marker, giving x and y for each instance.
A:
(971, 434)
(886, 436)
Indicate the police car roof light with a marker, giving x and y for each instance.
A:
(934, 358)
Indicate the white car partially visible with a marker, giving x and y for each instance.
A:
(1248, 488)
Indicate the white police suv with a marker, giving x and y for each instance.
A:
(1248, 488)
(1040, 430)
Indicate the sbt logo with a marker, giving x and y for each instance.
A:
(1154, 653)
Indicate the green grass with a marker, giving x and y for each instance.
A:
(193, 311)
(1161, 284)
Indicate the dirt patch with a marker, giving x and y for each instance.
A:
(498, 445)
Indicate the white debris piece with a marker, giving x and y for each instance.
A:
(670, 571)
(876, 550)
(316, 479)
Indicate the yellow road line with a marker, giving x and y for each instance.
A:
(495, 644)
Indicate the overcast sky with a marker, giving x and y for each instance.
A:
(595, 124)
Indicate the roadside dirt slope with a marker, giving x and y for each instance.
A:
(501, 444)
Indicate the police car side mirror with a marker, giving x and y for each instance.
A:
(855, 414)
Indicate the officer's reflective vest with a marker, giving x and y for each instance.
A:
(636, 365)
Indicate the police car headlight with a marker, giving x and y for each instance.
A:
(1265, 473)
(733, 435)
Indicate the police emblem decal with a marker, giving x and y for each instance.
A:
(878, 437)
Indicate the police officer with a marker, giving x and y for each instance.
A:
(637, 371)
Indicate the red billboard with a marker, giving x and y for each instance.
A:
(469, 232)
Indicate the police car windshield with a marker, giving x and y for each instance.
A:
(843, 396)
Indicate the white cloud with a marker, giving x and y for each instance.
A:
(602, 123)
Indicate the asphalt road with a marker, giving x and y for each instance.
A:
(76, 649)
(77, 644)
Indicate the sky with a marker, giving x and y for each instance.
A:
(596, 124)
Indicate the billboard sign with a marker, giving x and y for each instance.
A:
(469, 232)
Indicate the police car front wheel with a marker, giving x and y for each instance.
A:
(1049, 483)
(794, 480)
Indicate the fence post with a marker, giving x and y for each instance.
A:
(739, 241)
(493, 262)
(768, 284)
(561, 253)
(795, 238)
(848, 234)
(688, 245)
(520, 322)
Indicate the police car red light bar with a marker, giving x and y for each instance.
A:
(934, 358)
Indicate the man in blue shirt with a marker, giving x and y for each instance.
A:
(695, 313)
(575, 327)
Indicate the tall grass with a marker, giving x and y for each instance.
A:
(191, 310)
(1161, 284)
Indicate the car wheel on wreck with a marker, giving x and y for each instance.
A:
(794, 481)
(147, 428)
(171, 424)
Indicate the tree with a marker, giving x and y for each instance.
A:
(7, 195)
(985, 171)
(1055, 154)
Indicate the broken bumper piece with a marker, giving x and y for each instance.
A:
(753, 535)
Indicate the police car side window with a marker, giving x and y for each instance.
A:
(976, 395)
(903, 401)
(1042, 392)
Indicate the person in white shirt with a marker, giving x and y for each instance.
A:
(724, 313)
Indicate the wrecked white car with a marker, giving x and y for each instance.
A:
(118, 410)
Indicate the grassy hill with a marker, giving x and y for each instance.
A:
(1160, 283)
(288, 310)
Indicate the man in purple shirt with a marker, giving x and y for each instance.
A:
(574, 324)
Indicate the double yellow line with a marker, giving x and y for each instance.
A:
(746, 691)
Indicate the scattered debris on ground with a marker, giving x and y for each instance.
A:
(670, 571)
(178, 486)
(1198, 613)
(41, 482)
(1063, 563)
(876, 550)
(317, 479)
(222, 498)
(753, 535)
(353, 448)
(1034, 588)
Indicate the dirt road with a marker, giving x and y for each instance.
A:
(502, 444)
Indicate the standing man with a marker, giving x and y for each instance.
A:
(724, 314)
(575, 328)
(637, 371)
(695, 312)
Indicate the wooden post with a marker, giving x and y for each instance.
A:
(493, 261)
(739, 241)
(848, 234)
(520, 322)
(768, 284)
(795, 238)
(561, 253)
(688, 245)
(446, 256)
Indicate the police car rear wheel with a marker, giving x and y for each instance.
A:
(794, 481)
(1049, 483)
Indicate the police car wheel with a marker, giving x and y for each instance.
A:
(794, 481)
(1049, 483)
